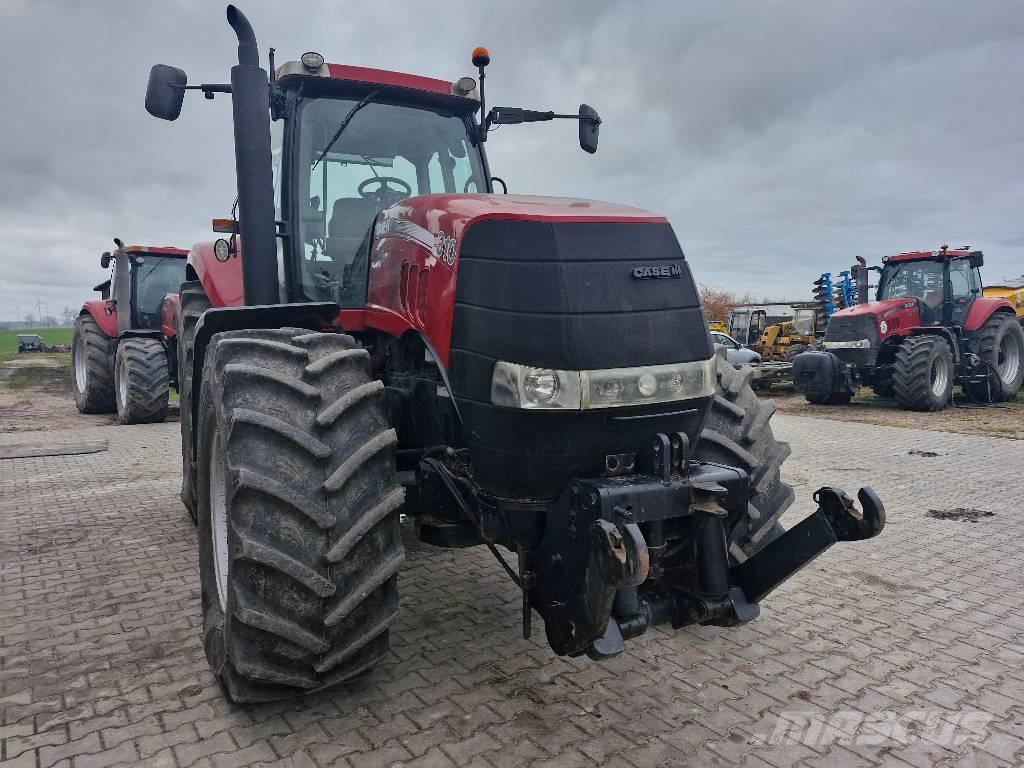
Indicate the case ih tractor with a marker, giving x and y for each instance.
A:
(123, 350)
(533, 373)
(928, 329)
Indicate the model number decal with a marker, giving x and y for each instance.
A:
(444, 247)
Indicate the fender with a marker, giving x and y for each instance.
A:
(169, 315)
(314, 316)
(955, 346)
(982, 308)
(102, 311)
(222, 280)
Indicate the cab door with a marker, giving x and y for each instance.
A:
(964, 283)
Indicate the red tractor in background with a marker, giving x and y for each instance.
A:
(929, 328)
(382, 334)
(123, 352)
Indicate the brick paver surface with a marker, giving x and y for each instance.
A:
(912, 642)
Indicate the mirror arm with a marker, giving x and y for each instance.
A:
(208, 89)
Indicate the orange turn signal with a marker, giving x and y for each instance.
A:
(225, 226)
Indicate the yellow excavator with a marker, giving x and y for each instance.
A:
(783, 341)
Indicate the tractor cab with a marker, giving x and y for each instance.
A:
(352, 142)
(140, 277)
(943, 282)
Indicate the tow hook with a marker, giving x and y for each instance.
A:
(836, 519)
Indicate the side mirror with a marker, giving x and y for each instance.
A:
(105, 260)
(165, 91)
(590, 124)
(977, 259)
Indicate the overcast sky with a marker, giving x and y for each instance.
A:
(781, 139)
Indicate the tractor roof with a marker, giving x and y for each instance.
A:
(157, 250)
(960, 253)
(370, 76)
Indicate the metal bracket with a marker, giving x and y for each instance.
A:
(835, 520)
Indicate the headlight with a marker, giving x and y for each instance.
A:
(858, 344)
(521, 386)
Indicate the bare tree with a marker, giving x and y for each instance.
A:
(717, 302)
(68, 315)
(29, 320)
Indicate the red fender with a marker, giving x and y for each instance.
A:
(102, 312)
(169, 315)
(222, 280)
(983, 308)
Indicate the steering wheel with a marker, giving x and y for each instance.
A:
(384, 194)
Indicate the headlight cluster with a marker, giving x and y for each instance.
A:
(523, 386)
(858, 344)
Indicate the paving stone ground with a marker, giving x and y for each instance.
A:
(907, 650)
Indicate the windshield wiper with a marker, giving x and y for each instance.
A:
(343, 126)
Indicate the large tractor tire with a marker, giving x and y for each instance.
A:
(1001, 348)
(193, 302)
(793, 350)
(298, 498)
(142, 381)
(737, 433)
(92, 362)
(922, 374)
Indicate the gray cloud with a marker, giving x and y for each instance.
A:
(782, 140)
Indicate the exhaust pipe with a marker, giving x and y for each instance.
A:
(250, 108)
(860, 274)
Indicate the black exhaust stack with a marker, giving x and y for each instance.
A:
(860, 275)
(250, 106)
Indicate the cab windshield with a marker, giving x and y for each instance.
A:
(386, 153)
(154, 278)
(803, 322)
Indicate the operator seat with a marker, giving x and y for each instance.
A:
(346, 230)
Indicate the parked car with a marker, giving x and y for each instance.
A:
(735, 353)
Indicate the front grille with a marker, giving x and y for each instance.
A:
(852, 328)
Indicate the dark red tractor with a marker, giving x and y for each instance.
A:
(929, 328)
(123, 351)
(385, 335)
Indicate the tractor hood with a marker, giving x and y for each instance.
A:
(441, 221)
(549, 283)
(877, 308)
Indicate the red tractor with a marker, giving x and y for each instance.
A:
(385, 335)
(928, 329)
(124, 346)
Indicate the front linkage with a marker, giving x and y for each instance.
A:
(603, 568)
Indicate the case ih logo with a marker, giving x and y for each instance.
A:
(444, 247)
(648, 272)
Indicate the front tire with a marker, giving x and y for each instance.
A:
(1001, 347)
(142, 381)
(737, 433)
(922, 373)
(298, 499)
(92, 363)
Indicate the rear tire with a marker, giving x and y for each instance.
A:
(793, 350)
(298, 493)
(922, 374)
(1001, 347)
(92, 365)
(142, 381)
(737, 433)
(193, 302)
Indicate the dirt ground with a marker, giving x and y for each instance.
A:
(964, 416)
(36, 395)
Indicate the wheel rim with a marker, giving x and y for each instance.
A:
(81, 372)
(122, 389)
(219, 520)
(1009, 359)
(940, 376)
